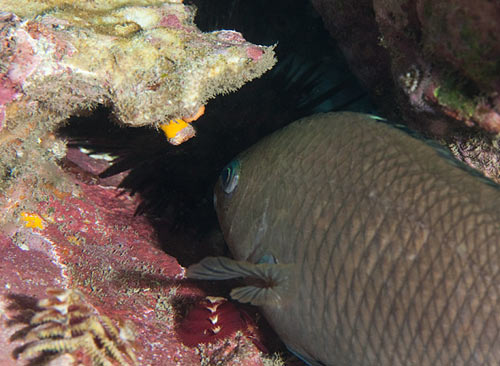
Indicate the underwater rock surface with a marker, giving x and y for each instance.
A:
(63, 227)
(91, 242)
(145, 59)
(438, 60)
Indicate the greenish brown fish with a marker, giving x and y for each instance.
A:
(363, 245)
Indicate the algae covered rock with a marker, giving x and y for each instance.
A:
(434, 65)
(145, 59)
(439, 60)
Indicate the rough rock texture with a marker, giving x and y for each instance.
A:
(434, 64)
(144, 58)
(436, 59)
(62, 226)
(92, 242)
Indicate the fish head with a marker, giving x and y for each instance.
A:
(242, 204)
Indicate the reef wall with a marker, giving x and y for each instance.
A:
(435, 65)
(63, 227)
(145, 59)
(440, 61)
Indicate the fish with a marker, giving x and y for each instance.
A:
(363, 244)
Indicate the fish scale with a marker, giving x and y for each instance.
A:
(385, 251)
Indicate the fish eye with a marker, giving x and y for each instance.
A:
(229, 176)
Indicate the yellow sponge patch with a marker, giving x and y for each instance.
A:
(32, 220)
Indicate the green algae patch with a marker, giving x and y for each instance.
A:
(453, 94)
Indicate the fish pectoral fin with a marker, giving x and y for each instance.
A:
(270, 284)
(258, 296)
(218, 268)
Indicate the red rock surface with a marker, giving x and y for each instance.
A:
(93, 242)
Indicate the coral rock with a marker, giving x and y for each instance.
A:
(92, 243)
(144, 58)
(434, 65)
(439, 60)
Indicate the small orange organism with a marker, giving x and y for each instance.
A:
(32, 220)
(180, 130)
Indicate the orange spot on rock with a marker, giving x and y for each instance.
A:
(172, 128)
(32, 220)
(56, 192)
(177, 131)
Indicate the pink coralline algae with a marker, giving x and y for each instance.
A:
(92, 243)
(170, 21)
(254, 53)
(8, 93)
